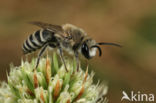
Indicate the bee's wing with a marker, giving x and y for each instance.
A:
(55, 28)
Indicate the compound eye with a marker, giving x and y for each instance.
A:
(85, 51)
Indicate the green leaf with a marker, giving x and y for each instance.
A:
(13, 89)
(42, 81)
(50, 91)
(74, 65)
(66, 79)
(55, 62)
(27, 80)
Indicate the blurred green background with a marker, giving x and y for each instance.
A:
(131, 23)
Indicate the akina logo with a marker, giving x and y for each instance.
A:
(137, 96)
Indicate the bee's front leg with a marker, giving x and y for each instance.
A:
(61, 55)
(77, 60)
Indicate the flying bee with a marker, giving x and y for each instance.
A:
(67, 37)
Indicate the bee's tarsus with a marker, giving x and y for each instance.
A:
(78, 66)
(34, 69)
(63, 59)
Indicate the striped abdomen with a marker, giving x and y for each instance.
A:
(37, 40)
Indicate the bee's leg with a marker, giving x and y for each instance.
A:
(61, 55)
(40, 54)
(77, 60)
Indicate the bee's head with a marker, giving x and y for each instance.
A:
(89, 48)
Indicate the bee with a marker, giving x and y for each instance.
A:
(67, 38)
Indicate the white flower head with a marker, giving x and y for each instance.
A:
(50, 83)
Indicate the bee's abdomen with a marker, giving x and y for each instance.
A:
(36, 41)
